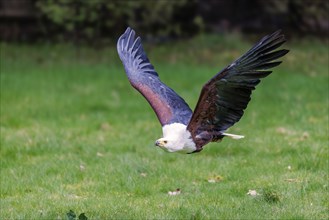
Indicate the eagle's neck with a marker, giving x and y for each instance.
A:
(179, 138)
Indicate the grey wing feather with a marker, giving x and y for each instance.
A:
(168, 106)
(224, 98)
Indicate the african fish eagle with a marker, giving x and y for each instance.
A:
(222, 100)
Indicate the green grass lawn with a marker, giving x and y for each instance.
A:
(76, 136)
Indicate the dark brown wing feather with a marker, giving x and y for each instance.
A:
(168, 106)
(227, 94)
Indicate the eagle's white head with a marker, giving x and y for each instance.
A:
(176, 138)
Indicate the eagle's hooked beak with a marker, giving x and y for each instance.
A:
(157, 143)
(160, 143)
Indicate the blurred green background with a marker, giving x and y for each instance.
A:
(76, 136)
(89, 21)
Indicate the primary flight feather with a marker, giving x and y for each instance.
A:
(222, 100)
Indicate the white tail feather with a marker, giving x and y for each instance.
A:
(233, 136)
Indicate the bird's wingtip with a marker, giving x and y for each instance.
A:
(125, 38)
(128, 30)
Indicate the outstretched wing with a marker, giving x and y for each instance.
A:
(168, 106)
(227, 94)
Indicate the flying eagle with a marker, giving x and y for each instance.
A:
(222, 100)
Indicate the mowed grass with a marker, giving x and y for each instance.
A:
(76, 136)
